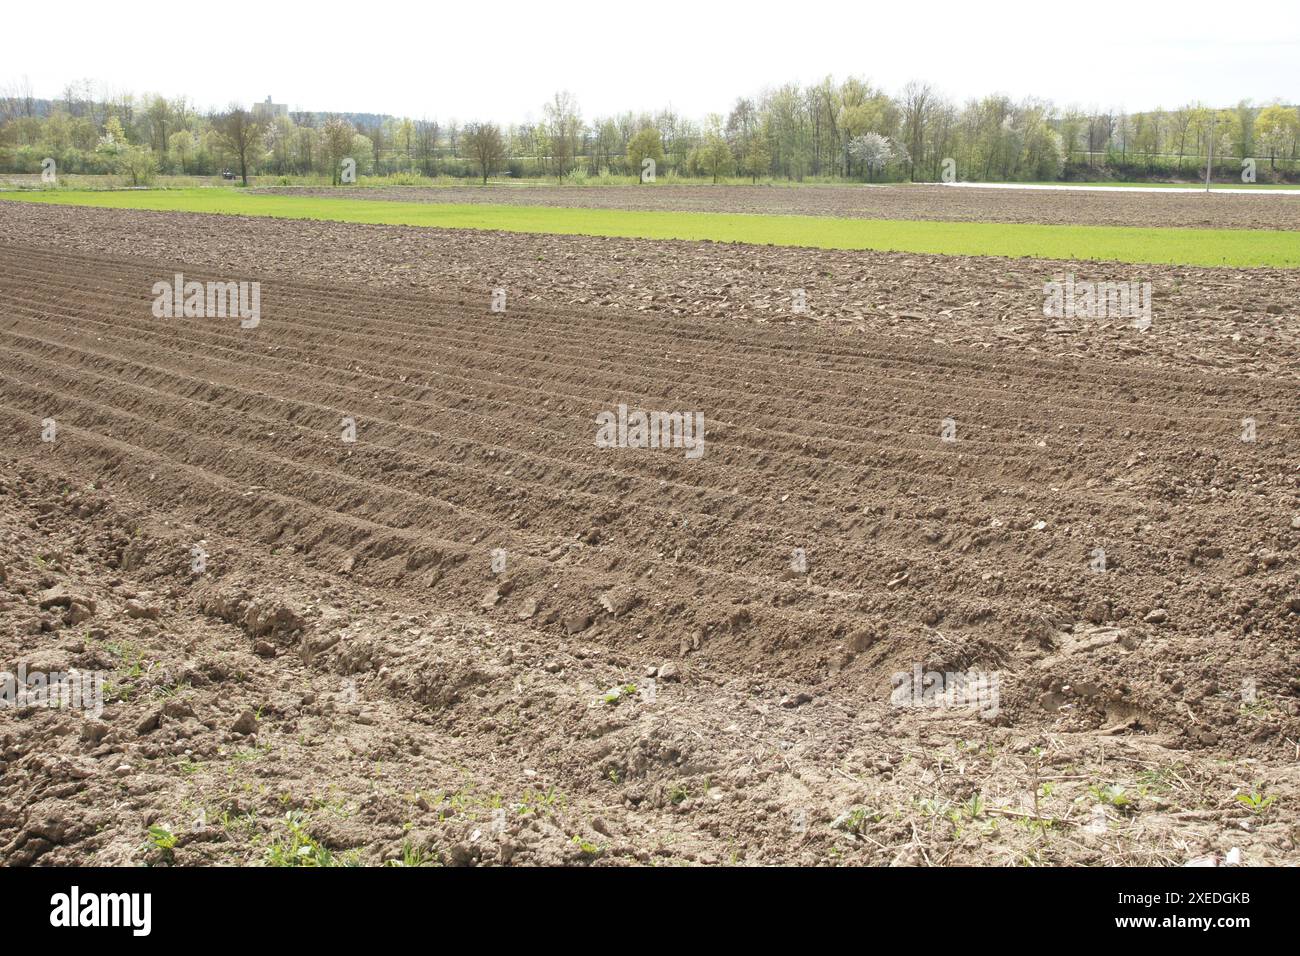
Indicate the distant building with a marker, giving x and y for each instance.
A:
(269, 110)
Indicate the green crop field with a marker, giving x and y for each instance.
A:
(1202, 247)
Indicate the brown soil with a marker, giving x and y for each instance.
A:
(1223, 321)
(1113, 207)
(349, 656)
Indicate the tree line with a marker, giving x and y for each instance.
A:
(832, 130)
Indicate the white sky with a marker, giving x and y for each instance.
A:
(502, 59)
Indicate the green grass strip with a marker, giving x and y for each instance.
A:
(1198, 247)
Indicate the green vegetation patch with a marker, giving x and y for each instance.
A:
(1199, 247)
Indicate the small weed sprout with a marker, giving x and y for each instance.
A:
(1256, 801)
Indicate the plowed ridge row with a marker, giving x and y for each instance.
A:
(476, 431)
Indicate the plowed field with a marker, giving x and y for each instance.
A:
(471, 635)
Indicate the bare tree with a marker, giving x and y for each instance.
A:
(486, 146)
(240, 133)
(564, 126)
(17, 101)
(159, 112)
(374, 133)
(426, 146)
(918, 99)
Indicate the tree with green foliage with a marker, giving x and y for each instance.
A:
(646, 144)
(714, 154)
(138, 164)
(758, 156)
(1277, 129)
(181, 145)
(336, 139)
